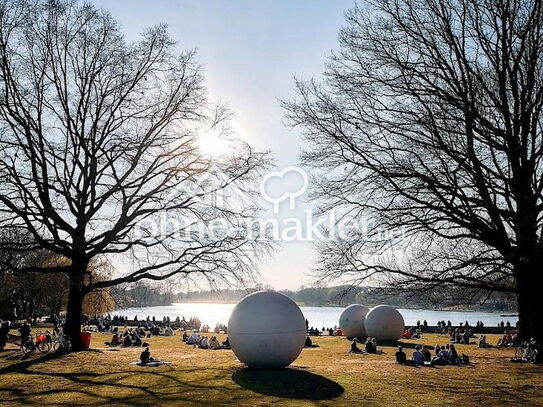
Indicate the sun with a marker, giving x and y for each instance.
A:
(213, 142)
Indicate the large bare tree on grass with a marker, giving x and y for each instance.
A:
(98, 156)
(428, 123)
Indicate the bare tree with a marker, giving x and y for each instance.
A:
(98, 154)
(428, 127)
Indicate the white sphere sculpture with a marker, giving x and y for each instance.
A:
(351, 321)
(267, 330)
(385, 323)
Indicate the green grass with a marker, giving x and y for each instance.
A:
(322, 376)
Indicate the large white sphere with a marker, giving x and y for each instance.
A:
(351, 321)
(267, 330)
(385, 323)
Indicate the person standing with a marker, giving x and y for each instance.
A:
(25, 330)
(4, 334)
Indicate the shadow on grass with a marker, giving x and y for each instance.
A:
(27, 361)
(126, 386)
(288, 383)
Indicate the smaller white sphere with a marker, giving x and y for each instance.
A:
(385, 323)
(267, 330)
(351, 321)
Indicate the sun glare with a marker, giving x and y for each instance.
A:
(213, 143)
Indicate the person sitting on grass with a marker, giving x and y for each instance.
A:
(114, 341)
(127, 341)
(145, 357)
(481, 342)
(506, 340)
(226, 343)
(309, 343)
(354, 347)
(136, 340)
(418, 356)
(442, 357)
(185, 336)
(427, 354)
(371, 346)
(214, 343)
(204, 343)
(193, 339)
(401, 357)
(453, 355)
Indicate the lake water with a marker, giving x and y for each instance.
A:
(212, 314)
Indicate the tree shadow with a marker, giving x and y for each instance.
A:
(147, 388)
(288, 383)
(27, 361)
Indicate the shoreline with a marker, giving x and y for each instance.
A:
(504, 313)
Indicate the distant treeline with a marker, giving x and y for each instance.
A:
(142, 295)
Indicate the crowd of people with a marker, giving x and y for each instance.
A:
(422, 356)
(134, 336)
(129, 337)
(203, 342)
(458, 335)
(108, 323)
(412, 333)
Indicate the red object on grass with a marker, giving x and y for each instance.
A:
(86, 339)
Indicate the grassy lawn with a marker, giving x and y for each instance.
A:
(321, 376)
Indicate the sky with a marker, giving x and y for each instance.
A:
(251, 50)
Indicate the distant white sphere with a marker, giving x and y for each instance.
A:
(384, 323)
(351, 321)
(267, 330)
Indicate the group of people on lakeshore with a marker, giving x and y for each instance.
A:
(108, 323)
(203, 342)
(130, 337)
(151, 326)
(370, 346)
(422, 356)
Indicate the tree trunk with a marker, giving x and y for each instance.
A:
(73, 312)
(530, 303)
